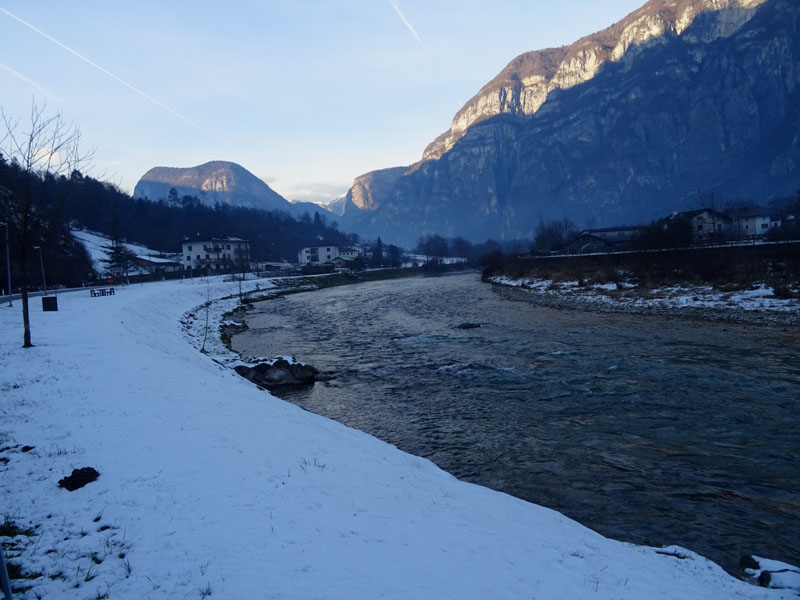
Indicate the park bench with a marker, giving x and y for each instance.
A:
(97, 292)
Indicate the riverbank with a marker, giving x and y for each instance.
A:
(754, 304)
(209, 486)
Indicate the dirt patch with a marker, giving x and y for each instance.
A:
(78, 479)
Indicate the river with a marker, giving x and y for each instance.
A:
(651, 430)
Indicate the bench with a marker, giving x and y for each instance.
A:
(97, 292)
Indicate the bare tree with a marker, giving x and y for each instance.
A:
(434, 247)
(47, 150)
(553, 235)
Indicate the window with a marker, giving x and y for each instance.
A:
(765, 226)
(188, 258)
(699, 227)
(228, 247)
(207, 257)
(188, 248)
(198, 257)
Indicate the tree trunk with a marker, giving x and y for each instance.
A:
(23, 274)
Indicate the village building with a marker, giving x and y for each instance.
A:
(215, 253)
(350, 252)
(157, 265)
(318, 255)
(707, 224)
(603, 240)
(756, 222)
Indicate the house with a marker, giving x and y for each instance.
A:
(350, 252)
(707, 224)
(602, 240)
(215, 253)
(340, 262)
(318, 255)
(156, 264)
(750, 222)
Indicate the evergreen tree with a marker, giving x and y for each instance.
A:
(377, 254)
(119, 260)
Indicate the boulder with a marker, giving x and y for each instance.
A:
(279, 372)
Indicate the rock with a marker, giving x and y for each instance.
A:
(771, 573)
(469, 325)
(280, 372)
(78, 479)
(748, 562)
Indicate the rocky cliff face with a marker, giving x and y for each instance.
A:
(623, 126)
(366, 191)
(524, 85)
(216, 181)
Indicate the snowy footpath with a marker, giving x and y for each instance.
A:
(210, 487)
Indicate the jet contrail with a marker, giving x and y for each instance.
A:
(29, 81)
(403, 18)
(96, 66)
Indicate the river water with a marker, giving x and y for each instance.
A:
(650, 430)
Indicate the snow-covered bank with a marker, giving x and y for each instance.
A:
(208, 485)
(757, 304)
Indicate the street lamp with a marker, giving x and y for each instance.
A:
(41, 262)
(8, 265)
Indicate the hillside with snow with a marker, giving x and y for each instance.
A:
(97, 246)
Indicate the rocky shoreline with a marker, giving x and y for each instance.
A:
(638, 303)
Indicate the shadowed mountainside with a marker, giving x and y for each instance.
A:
(679, 97)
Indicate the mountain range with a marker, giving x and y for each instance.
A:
(218, 181)
(679, 98)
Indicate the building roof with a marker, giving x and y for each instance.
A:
(759, 211)
(691, 214)
(213, 238)
(156, 260)
(631, 228)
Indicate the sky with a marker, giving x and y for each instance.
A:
(306, 94)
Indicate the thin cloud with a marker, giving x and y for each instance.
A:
(403, 18)
(96, 66)
(29, 81)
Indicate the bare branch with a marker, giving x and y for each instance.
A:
(40, 155)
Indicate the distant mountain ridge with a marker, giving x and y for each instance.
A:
(217, 181)
(621, 127)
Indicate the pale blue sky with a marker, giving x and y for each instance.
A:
(306, 94)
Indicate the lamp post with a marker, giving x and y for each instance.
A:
(41, 262)
(8, 265)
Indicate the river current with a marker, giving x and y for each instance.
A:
(649, 430)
